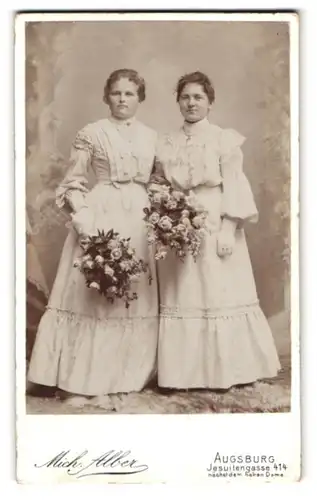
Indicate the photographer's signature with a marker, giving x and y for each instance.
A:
(80, 465)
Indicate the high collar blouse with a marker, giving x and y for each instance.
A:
(203, 154)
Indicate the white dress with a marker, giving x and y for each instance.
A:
(213, 333)
(84, 344)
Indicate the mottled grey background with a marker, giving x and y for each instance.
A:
(67, 64)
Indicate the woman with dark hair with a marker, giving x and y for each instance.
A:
(85, 345)
(213, 333)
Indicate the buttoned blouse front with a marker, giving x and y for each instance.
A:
(203, 154)
(116, 152)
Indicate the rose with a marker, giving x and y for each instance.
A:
(112, 244)
(116, 254)
(87, 257)
(108, 270)
(165, 223)
(94, 285)
(181, 228)
(185, 213)
(130, 252)
(157, 198)
(112, 290)
(99, 259)
(171, 204)
(154, 217)
(89, 264)
(125, 265)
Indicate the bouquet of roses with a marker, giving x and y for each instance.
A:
(175, 221)
(110, 265)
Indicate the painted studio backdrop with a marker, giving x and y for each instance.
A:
(67, 64)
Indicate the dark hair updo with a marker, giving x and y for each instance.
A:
(131, 75)
(199, 78)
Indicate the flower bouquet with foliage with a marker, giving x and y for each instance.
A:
(110, 265)
(174, 221)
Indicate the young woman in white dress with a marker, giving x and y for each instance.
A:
(85, 345)
(213, 333)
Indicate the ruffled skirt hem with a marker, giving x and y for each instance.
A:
(216, 351)
(91, 356)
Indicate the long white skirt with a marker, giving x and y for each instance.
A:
(84, 344)
(213, 333)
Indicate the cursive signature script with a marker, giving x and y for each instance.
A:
(111, 462)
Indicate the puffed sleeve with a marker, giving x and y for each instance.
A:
(70, 195)
(237, 200)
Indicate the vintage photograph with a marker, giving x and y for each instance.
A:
(158, 216)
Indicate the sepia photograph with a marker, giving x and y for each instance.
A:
(123, 116)
(158, 212)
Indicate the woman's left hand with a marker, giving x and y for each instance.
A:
(225, 243)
